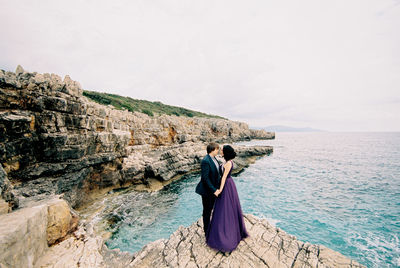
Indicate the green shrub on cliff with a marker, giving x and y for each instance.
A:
(148, 107)
(148, 112)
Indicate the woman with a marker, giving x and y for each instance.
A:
(227, 226)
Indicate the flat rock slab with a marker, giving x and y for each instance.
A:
(26, 233)
(23, 236)
(267, 246)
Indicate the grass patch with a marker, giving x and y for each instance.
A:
(150, 108)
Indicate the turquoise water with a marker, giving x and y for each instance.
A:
(341, 190)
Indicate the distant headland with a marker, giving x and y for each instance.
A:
(281, 128)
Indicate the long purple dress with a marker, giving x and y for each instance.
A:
(227, 226)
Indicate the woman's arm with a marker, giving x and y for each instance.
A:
(227, 167)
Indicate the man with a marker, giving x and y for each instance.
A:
(210, 182)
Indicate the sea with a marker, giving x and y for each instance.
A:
(340, 190)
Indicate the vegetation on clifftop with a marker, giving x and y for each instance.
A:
(148, 107)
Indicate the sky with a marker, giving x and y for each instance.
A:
(332, 65)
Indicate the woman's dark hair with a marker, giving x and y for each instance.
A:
(229, 152)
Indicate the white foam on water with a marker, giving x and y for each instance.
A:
(272, 221)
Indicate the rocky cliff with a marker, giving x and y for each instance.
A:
(53, 140)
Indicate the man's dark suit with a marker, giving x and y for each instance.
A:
(209, 183)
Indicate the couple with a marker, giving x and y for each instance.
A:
(218, 191)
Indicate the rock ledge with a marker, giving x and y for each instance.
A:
(267, 246)
(26, 233)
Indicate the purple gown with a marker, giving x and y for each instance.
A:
(227, 226)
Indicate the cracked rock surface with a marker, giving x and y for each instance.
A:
(267, 246)
(25, 243)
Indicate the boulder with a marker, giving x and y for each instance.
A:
(61, 220)
(23, 236)
(26, 233)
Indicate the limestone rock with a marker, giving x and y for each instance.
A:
(7, 197)
(83, 249)
(23, 236)
(4, 207)
(25, 232)
(19, 70)
(60, 220)
(267, 246)
(53, 141)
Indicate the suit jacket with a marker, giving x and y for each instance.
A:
(210, 177)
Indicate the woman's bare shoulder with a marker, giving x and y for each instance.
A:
(228, 164)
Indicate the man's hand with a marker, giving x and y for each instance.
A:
(217, 192)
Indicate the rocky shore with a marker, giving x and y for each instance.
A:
(45, 222)
(266, 246)
(53, 140)
(60, 151)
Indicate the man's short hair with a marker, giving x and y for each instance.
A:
(212, 146)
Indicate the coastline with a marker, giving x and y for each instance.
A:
(65, 151)
(60, 142)
(79, 246)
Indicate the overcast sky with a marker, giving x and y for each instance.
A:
(333, 65)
